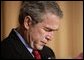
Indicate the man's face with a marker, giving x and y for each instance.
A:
(42, 33)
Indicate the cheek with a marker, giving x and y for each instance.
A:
(37, 34)
(40, 35)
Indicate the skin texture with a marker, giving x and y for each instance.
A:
(40, 34)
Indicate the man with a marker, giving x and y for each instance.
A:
(38, 21)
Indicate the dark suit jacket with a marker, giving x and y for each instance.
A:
(13, 48)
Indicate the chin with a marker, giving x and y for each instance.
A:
(39, 47)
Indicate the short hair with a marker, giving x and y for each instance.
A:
(36, 9)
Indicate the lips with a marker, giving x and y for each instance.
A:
(43, 43)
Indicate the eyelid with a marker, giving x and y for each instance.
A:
(47, 29)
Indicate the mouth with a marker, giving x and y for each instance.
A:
(43, 43)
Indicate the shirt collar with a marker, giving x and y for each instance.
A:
(23, 41)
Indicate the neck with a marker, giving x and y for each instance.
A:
(24, 33)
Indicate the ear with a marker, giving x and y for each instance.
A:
(27, 22)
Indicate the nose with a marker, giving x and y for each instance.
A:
(49, 36)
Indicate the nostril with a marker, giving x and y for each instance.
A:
(48, 38)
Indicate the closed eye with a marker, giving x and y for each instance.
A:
(50, 29)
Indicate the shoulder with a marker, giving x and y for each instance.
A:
(7, 46)
(5, 43)
(10, 39)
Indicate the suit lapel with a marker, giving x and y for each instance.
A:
(45, 53)
(19, 46)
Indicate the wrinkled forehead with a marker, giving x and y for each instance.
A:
(51, 20)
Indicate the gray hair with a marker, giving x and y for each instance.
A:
(36, 9)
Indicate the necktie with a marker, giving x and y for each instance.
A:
(36, 54)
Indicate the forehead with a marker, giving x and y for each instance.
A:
(51, 20)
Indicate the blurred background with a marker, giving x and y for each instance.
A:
(67, 42)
